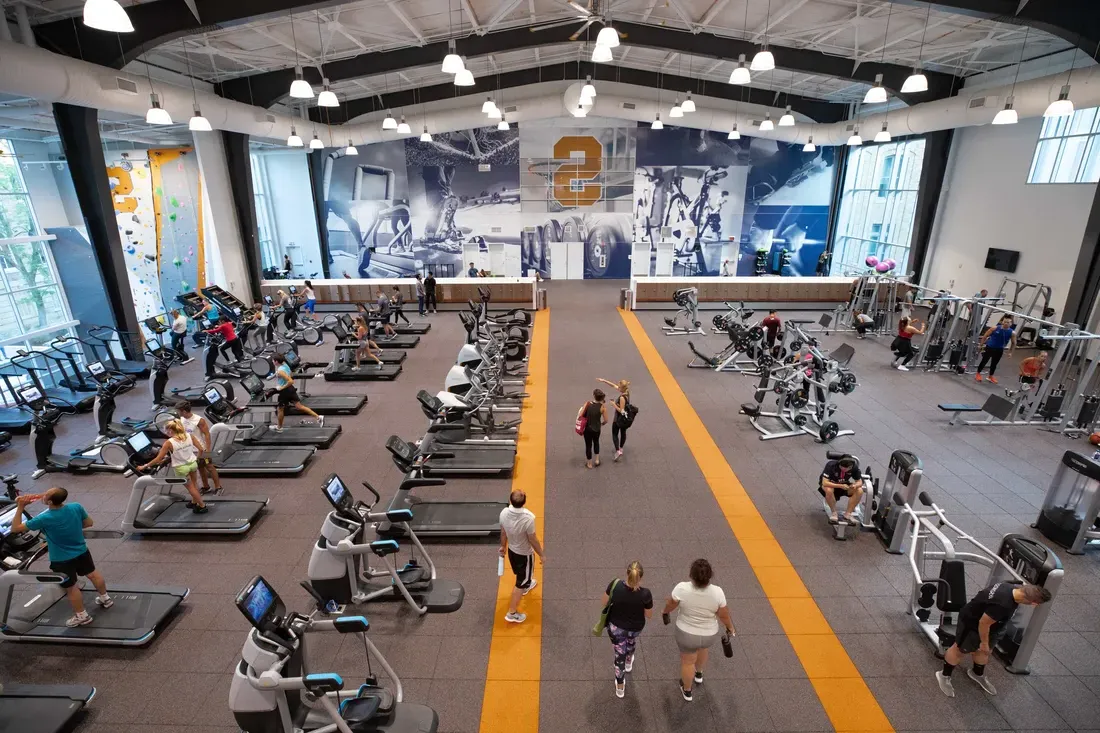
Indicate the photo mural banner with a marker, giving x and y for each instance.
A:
(749, 206)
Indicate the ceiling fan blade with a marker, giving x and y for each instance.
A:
(582, 29)
(578, 7)
(555, 24)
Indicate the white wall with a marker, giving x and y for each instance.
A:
(292, 207)
(987, 202)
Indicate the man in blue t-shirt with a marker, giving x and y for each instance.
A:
(63, 525)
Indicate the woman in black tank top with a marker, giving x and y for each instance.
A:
(595, 412)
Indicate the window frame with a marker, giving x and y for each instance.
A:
(1056, 133)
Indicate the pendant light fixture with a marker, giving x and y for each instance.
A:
(883, 135)
(294, 141)
(327, 98)
(464, 78)
(734, 134)
(740, 73)
(787, 120)
(1063, 106)
(855, 140)
(503, 124)
(157, 115)
(689, 104)
(877, 93)
(452, 62)
(350, 149)
(588, 91)
(107, 15)
(488, 106)
(608, 37)
(495, 113)
(767, 125)
(580, 111)
(299, 88)
(390, 123)
(917, 81)
(315, 143)
(763, 60)
(602, 55)
(1008, 116)
(657, 124)
(676, 110)
(403, 128)
(197, 123)
(425, 137)
(809, 147)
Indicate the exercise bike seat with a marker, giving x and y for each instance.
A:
(750, 409)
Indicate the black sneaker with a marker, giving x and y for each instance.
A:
(698, 677)
(685, 693)
(201, 509)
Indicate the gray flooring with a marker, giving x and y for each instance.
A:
(653, 506)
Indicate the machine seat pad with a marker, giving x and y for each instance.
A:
(959, 407)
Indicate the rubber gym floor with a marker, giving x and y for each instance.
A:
(823, 642)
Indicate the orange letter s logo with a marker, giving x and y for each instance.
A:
(566, 190)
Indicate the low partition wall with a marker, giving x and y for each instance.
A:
(796, 292)
(516, 291)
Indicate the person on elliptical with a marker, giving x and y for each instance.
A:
(838, 479)
(232, 343)
(183, 451)
(207, 312)
(63, 525)
(903, 343)
(994, 342)
(259, 321)
(595, 414)
(179, 334)
(310, 298)
(366, 346)
(197, 427)
(621, 422)
(288, 393)
(1033, 368)
(772, 323)
(290, 314)
(980, 624)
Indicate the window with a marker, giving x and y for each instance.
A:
(269, 256)
(877, 205)
(1068, 149)
(16, 214)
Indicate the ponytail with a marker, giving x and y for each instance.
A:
(634, 574)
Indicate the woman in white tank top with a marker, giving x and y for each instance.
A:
(197, 427)
(183, 451)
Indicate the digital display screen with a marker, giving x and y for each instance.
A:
(1004, 260)
(30, 394)
(212, 395)
(268, 300)
(336, 491)
(252, 383)
(293, 289)
(96, 368)
(259, 601)
(139, 441)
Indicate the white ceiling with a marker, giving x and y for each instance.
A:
(860, 30)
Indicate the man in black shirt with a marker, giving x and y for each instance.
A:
(841, 478)
(980, 622)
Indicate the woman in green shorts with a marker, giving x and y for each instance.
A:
(184, 451)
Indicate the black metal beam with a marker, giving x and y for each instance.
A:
(1084, 287)
(268, 88)
(933, 170)
(239, 161)
(814, 109)
(1076, 21)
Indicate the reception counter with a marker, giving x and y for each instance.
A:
(780, 292)
(518, 292)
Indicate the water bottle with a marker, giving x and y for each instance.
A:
(1096, 455)
(500, 566)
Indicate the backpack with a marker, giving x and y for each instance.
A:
(626, 417)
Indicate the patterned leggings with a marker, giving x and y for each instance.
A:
(623, 642)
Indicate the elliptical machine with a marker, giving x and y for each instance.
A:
(106, 457)
(163, 359)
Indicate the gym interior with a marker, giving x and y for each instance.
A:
(489, 365)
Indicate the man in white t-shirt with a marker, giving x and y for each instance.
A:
(520, 544)
(179, 333)
(700, 605)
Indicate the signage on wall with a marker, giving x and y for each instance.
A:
(573, 182)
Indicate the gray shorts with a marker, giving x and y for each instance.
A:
(693, 642)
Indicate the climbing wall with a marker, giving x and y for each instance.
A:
(178, 211)
(132, 189)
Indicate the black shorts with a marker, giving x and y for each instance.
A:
(837, 493)
(523, 566)
(1024, 379)
(81, 565)
(289, 396)
(969, 640)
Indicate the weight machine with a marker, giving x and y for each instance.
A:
(1027, 298)
(688, 300)
(1071, 508)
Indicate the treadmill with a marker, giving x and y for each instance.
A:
(432, 462)
(232, 458)
(105, 336)
(222, 410)
(344, 338)
(325, 404)
(369, 371)
(435, 518)
(158, 505)
(34, 606)
(43, 708)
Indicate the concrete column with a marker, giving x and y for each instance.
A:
(222, 214)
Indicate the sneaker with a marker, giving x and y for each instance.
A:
(903, 368)
(104, 601)
(833, 518)
(515, 618)
(629, 663)
(685, 693)
(977, 377)
(201, 509)
(698, 677)
(946, 687)
(983, 681)
(276, 429)
(992, 380)
(188, 360)
(620, 689)
(355, 369)
(320, 421)
(81, 619)
(531, 587)
(618, 455)
(204, 490)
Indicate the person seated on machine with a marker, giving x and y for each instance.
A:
(841, 478)
(1033, 368)
(366, 346)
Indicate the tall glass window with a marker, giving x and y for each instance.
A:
(1068, 150)
(878, 204)
(286, 220)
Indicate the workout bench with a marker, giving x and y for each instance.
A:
(956, 409)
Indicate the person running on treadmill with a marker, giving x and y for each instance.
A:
(397, 303)
(429, 293)
(183, 451)
(310, 298)
(382, 312)
(232, 342)
(197, 427)
(288, 394)
(179, 334)
(841, 478)
(520, 544)
(64, 525)
(980, 623)
(1033, 368)
(366, 346)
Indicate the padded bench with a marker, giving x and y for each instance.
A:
(956, 409)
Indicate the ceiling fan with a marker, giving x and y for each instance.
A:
(593, 13)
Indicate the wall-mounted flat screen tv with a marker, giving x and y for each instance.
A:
(1004, 260)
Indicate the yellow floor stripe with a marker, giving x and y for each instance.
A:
(843, 692)
(511, 701)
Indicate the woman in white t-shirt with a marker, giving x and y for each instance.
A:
(700, 606)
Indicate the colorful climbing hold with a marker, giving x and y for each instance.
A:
(172, 216)
(174, 201)
(176, 262)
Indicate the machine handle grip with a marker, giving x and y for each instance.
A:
(925, 498)
(899, 499)
(370, 488)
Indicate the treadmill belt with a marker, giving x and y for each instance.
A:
(293, 435)
(263, 460)
(323, 404)
(223, 515)
(368, 372)
(483, 516)
(405, 341)
(37, 714)
(416, 327)
(132, 620)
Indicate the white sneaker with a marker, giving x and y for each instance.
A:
(982, 681)
(104, 601)
(276, 429)
(320, 421)
(515, 618)
(531, 587)
(902, 368)
(946, 687)
(629, 667)
(620, 689)
(82, 619)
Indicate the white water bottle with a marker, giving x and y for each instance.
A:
(1096, 455)
(500, 561)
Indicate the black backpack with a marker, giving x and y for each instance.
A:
(626, 417)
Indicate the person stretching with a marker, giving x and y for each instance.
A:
(183, 450)
(366, 346)
(288, 394)
(197, 427)
(64, 525)
(620, 423)
(994, 342)
(841, 478)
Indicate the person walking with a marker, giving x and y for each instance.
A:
(994, 342)
(197, 427)
(594, 415)
(429, 292)
(288, 394)
(63, 525)
(700, 605)
(980, 623)
(382, 313)
(631, 605)
(310, 297)
(621, 421)
(287, 266)
(519, 543)
(183, 451)
(365, 347)
(903, 343)
(397, 302)
(179, 335)
(420, 295)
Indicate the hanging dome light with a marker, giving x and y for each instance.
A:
(495, 113)
(315, 143)
(740, 74)
(767, 124)
(157, 115)
(464, 78)
(877, 93)
(787, 120)
(503, 124)
(198, 123)
(425, 137)
(389, 123)
(763, 60)
(580, 111)
(608, 37)
(809, 147)
(403, 128)
(734, 134)
(488, 105)
(602, 55)
(676, 110)
(1007, 116)
(294, 141)
(883, 135)
(107, 15)
(300, 88)
(1061, 107)
(657, 124)
(916, 82)
(855, 140)
(350, 149)
(588, 91)
(327, 98)
(689, 104)
(452, 62)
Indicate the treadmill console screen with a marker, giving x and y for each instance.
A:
(337, 493)
(96, 368)
(400, 448)
(258, 602)
(138, 442)
(30, 395)
(253, 384)
(9, 514)
(212, 395)
(268, 300)
(293, 289)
